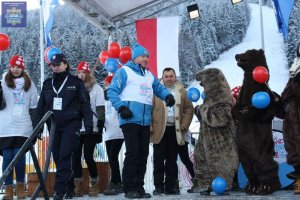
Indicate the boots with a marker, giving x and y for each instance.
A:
(78, 188)
(9, 193)
(297, 187)
(206, 192)
(113, 189)
(21, 193)
(57, 196)
(94, 187)
(194, 186)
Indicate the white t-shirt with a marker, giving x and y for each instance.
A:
(112, 129)
(14, 118)
(97, 99)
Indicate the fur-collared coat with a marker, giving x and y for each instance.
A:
(183, 115)
(216, 152)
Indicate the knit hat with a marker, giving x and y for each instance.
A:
(236, 91)
(84, 66)
(18, 61)
(57, 59)
(139, 50)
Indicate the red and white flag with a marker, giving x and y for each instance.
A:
(160, 37)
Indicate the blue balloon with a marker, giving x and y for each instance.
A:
(52, 51)
(219, 185)
(111, 65)
(193, 94)
(260, 100)
(203, 95)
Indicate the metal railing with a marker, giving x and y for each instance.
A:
(29, 145)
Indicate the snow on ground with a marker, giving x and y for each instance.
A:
(274, 51)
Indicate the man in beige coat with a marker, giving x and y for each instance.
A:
(168, 128)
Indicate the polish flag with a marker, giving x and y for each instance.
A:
(160, 37)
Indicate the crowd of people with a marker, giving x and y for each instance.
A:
(136, 108)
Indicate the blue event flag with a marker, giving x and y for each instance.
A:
(283, 10)
(47, 10)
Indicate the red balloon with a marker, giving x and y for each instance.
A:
(103, 57)
(4, 42)
(260, 74)
(108, 79)
(114, 50)
(125, 54)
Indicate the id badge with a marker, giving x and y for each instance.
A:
(170, 111)
(57, 103)
(17, 110)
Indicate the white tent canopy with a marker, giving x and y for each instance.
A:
(108, 15)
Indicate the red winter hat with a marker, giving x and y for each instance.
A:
(236, 91)
(84, 66)
(108, 79)
(18, 61)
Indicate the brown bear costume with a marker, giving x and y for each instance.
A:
(215, 153)
(254, 129)
(291, 124)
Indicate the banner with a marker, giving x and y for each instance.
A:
(47, 11)
(160, 37)
(14, 14)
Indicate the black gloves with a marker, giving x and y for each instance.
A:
(170, 101)
(197, 113)
(100, 125)
(125, 112)
(88, 130)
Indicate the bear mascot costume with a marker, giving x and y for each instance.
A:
(291, 124)
(254, 128)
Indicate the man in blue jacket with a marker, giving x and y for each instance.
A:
(131, 94)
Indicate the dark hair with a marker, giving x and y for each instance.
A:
(167, 69)
(68, 65)
(9, 80)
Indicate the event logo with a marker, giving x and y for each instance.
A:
(13, 16)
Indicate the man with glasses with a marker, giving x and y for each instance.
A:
(66, 96)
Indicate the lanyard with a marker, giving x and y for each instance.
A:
(62, 85)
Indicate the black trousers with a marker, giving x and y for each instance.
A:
(88, 142)
(165, 160)
(137, 140)
(113, 148)
(66, 142)
(185, 158)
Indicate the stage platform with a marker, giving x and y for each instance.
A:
(279, 195)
